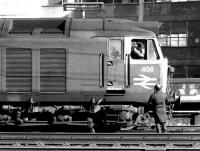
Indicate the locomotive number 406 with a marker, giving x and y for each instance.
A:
(147, 69)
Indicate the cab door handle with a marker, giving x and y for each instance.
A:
(109, 63)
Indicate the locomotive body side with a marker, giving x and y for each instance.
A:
(72, 61)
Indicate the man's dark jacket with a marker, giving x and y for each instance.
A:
(157, 103)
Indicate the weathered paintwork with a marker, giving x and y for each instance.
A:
(68, 61)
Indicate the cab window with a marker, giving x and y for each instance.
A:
(152, 51)
(115, 49)
(138, 49)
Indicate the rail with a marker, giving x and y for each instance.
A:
(99, 141)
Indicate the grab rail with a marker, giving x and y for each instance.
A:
(127, 71)
(101, 70)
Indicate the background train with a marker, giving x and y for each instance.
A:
(73, 65)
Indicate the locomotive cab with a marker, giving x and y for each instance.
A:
(132, 76)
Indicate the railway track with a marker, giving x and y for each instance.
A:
(99, 141)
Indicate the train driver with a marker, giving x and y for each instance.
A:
(137, 50)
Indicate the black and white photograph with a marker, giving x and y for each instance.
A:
(100, 75)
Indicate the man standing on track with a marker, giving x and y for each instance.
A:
(157, 104)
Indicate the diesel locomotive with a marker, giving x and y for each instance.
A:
(77, 69)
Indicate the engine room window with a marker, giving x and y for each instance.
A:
(115, 49)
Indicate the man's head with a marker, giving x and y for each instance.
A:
(157, 87)
(139, 45)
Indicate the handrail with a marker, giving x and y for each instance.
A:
(127, 71)
(101, 70)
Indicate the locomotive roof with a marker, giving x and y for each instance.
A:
(98, 27)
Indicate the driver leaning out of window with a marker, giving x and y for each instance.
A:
(137, 50)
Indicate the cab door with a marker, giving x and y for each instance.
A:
(115, 67)
(141, 74)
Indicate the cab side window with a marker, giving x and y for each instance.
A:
(152, 51)
(115, 49)
(138, 49)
